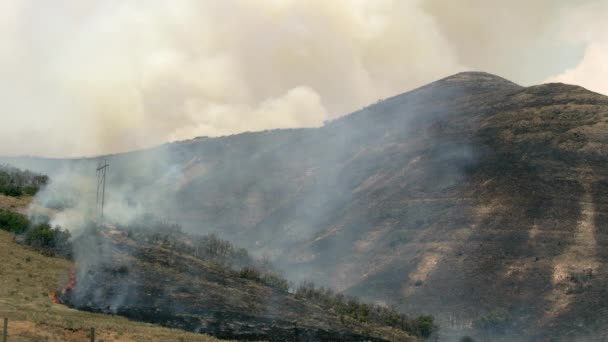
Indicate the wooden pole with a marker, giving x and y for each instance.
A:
(5, 330)
(92, 334)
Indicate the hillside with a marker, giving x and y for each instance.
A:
(27, 277)
(471, 198)
(150, 271)
(155, 277)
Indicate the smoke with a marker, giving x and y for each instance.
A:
(587, 23)
(522, 40)
(120, 75)
(136, 184)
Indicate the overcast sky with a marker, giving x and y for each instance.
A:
(85, 77)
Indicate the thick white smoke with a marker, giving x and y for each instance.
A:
(83, 77)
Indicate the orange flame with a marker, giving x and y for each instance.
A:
(71, 281)
(68, 287)
(53, 297)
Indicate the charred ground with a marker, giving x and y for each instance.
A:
(166, 277)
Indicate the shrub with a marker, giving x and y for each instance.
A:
(249, 273)
(467, 339)
(13, 222)
(53, 240)
(269, 279)
(345, 306)
(425, 325)
(15, 182)
(275, 281)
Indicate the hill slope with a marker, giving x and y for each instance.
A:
(157, 277)
(26, 277)
(463, 198)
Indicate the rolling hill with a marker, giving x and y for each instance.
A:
(471, 198)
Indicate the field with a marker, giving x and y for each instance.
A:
(27, 277)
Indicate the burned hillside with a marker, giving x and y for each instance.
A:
(210, 287)
(465, 198)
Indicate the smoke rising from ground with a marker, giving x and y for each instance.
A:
(89, 77)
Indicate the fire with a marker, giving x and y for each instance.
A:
(53, 297)
(71, 281)
(68, 287)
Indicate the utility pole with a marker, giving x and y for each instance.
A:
(102, 169)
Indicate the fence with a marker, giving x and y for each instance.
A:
(91, 333)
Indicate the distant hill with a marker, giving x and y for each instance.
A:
(471, 198)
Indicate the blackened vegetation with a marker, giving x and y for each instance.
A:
(15, 182)
(205, 284)
(169, 235)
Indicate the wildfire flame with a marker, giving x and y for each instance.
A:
(68, 287)
(53, 297)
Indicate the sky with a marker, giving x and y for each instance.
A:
(89, 77)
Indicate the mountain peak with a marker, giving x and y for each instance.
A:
(478, 79)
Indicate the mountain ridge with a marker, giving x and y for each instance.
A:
(459, 198)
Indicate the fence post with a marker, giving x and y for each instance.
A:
(5, 330)
(92, 334)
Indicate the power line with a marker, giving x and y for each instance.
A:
(102, 170)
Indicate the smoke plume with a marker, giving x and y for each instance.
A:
(89, 77)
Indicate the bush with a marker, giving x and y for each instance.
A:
(467, 339)
(11, 190)
(425, 325)
(43, 236)
(250, 273)
(13, 222)
(15, 182)
(275, 281)
(345, 306)
(269, 279)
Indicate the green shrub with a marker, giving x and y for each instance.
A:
(40, 235)
(13, 222)
(11, 190)
(52, 240)
(15, 182)
(425, 325)
(467, 339)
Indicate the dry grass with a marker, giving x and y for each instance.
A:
(26, 277)
(14, 203)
